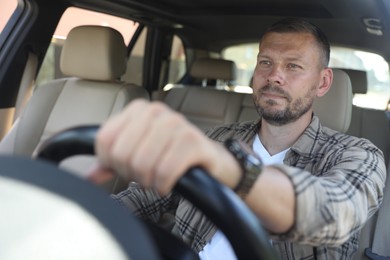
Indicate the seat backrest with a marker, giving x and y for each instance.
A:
(93, 57)
(335, 107)
(213, 69)
(206, 107)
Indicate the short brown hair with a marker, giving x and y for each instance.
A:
(303, 26)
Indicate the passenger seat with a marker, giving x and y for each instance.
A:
(94, 58)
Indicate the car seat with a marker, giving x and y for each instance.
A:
(222, 71)
(372, 124)
(94, 58)
(197, 100)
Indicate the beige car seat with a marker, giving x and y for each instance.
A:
(203, 105)
(94, 58)
(221, 70)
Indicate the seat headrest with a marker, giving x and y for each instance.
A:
(335, 108)
(94, 52)
(358, 80)
(208, 68)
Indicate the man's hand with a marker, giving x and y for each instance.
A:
(153, 145)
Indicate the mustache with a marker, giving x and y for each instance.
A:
(269, 88)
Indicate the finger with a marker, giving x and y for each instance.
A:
(155, 143)
(109, 131)
(131, 137)
(186, 149)
(101, 175)
(197, 151)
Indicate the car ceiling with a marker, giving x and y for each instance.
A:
(214, 24)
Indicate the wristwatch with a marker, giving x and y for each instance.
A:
(250, 163)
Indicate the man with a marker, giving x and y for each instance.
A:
(317, 187)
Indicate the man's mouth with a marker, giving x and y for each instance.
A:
(273, 95)
(272, 92)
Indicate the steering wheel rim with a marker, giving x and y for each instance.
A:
(242, 228)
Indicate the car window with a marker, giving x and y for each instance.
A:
(177, 61)
(245, 58)
(6, 10)
(377, 69)
(71, 18)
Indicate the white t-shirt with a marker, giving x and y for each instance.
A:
(219, 246)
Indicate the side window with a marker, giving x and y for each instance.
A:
(378, 89)
(177, 66)
(6, 10)
(245, 57)
(71, 18)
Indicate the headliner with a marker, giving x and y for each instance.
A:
(224, 22)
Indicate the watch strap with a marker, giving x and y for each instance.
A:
(250, 164)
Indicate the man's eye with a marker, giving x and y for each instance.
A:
(264, 62)
(293, 66)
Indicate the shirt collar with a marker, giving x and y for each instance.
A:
(305, 145)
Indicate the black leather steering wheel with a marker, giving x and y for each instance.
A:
(219, 203)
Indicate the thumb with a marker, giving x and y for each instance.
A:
(98, 174)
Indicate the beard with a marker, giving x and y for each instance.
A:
(292, 111)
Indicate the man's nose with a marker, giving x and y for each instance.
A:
(276, 75)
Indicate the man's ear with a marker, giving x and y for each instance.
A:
(325, 82)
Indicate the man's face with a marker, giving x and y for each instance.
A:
(286, 77)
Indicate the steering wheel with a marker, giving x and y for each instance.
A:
(219, 203)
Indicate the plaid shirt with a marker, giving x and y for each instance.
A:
(338, 182)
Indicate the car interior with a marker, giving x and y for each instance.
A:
(61, 67)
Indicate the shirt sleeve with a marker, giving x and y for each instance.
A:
(146, 204)
(336, 196)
